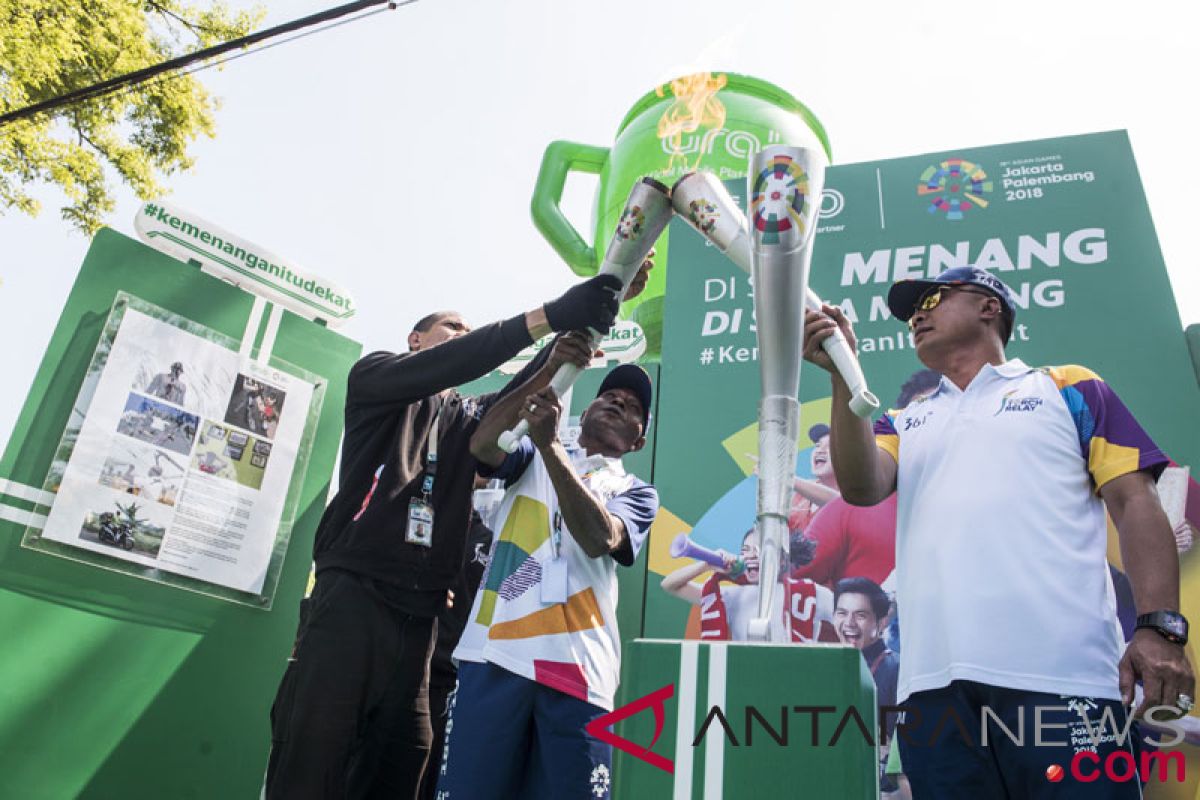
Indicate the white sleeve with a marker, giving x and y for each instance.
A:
(824, 604)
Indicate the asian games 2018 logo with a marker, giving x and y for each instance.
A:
(955, 186)
(631, 223)
(779, 199)
(704, 214)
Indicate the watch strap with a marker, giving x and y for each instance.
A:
(1171, 625)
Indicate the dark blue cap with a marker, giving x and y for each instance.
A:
(636, 380)
(904, 295)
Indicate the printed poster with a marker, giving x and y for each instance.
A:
(183, 458)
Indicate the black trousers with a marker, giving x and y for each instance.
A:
(439, 712)
(351, 717)
(944, 757)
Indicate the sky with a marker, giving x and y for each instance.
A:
(396, 155)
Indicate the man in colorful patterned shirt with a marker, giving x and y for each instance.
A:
(540, 657)
(1000, 475)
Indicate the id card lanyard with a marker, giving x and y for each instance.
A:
(420, 509)
(556, 524)
(431, 458)
(555, 582)
(555, 572)
(556, 534)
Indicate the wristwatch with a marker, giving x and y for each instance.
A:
(1171, 625)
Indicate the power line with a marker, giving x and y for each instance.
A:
(176, 67)
(235, 56)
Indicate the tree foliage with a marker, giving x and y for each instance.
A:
(51, 47)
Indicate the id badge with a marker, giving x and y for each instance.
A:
(420, 523)
(554, 580)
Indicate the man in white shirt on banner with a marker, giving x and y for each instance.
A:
(541, 654)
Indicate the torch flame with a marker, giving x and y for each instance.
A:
(695, 106)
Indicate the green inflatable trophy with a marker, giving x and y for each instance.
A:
(709, 121)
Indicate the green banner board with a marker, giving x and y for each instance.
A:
(126, 687)
(1063, 221)
(122, 687)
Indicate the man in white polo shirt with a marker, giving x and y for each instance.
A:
(1000, 474)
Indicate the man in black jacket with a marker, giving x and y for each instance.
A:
(351, 717)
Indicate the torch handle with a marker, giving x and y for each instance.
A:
(862, 402)
(563, 379)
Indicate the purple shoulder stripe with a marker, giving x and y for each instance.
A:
(1102, 414)
(885, 425)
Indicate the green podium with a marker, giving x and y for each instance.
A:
(117, 686)
(702, 721)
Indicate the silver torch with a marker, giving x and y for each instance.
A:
(646, 214)
(785, 194)
(702, 200)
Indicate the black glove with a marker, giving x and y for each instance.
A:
(592, 304)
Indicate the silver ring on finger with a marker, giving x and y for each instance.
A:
(1185, 702)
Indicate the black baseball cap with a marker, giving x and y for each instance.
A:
(636, 380)
(905, 294)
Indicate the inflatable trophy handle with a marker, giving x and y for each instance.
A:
(563, 380)
(646, 215)
(560, 159)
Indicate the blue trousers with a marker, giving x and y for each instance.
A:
(509, 737)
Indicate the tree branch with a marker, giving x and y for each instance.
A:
(195, 27)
